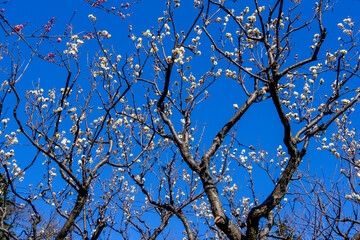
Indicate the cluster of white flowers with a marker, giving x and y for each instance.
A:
(11, 139)
(52, 172)
(104, 63)
(5, 120)
(73, 45)
(92, 17)
(104, 34)
(342, 143)
(16, 170)
(7, 155)
(180, 55)
(230, 74)
(330, 58)
(349, 23)
(252, 18)
(353, 196)
(202, 210)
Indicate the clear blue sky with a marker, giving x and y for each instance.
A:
(144, 15)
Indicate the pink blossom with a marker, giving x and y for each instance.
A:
(51, 55)
(91, 35)
(19, 27)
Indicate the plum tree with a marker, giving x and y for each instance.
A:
(200, 125)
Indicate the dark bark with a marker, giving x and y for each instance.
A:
(356, 236)
(221, 220)
(80, 202)
(98, 230)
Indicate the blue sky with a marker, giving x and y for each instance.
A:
(144, 15)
